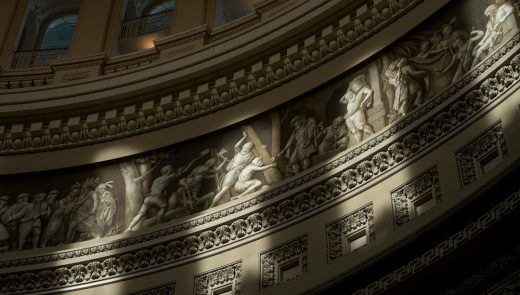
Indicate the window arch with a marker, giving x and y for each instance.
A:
(161, 6)
(58, 33)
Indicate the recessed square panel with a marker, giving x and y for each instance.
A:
(356, 241)
(224, 290)
(423, 204)
(489, 161)
(290, 270)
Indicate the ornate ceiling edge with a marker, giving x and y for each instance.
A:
(340, 36)
(110, 263)
(445, 247)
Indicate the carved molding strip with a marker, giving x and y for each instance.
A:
(219, 281)
(361, 221)
(471, 159)
(259, 77)
(271, 261)
(405, 198)
(437, 126)
(443, 248)
(164, 289)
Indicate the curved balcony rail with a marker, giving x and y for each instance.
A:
(145, 25)
(35, 58)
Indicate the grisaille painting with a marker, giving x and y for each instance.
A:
(76, 204)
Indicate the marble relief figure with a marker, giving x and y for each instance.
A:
(243, 157)
(241, 161)
(358, 98)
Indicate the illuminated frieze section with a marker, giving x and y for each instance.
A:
(164, 289)
(350, 232)
(416, 197)
(482, 154)
(221, 281)
(93, 201)
(283, 263)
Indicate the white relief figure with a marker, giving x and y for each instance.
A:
(492, 34)
(332, 137)
(4, 234)
(51, 204)
(500, 21)
(244, 184)
(243, 156)
(302, 144)
(82, 219)
(21, 221)
(408, 87)
(57, 225)
(358, 98)
(157, 196)
(191, 184)
(105, 210)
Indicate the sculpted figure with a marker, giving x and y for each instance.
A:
(491, 36)
(105, 210)
(333, 137)
(243, 156)
(496, 27)
(157, 196)
(190, 185)
(31, 222)
(18, 218)
(408, 89)
(244, 184)
(358, 98)
(82, 218)
(4, 234)
(57, 225)
(301, 145)
(52, 203)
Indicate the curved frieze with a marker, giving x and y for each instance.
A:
(341, 35)
(278, 214)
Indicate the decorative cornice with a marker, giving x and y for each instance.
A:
(310, 193)
(261, 75)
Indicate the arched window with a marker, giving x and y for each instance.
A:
(161, 7)
(59, 32)
(145, 17)
(229, 10)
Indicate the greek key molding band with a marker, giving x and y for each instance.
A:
(443, 248)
